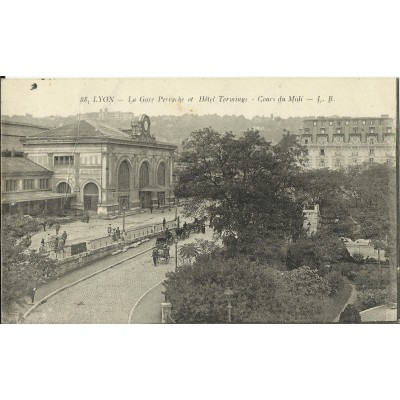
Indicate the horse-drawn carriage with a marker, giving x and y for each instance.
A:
(161, 250)
(165, 238)
(198, 225)
(182, 233)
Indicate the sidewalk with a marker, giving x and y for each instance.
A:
(351, 300)
(97, 228)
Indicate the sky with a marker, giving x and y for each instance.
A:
(351, 97)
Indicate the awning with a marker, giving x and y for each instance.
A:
(32, 196)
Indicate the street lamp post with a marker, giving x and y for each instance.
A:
(123, 218)
(176, 253)
(228, 293)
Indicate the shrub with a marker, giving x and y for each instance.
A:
(336, 282)
(371, 278)
(347, 270)
(316, 251)
(350, 315)
(358, 258)
(371, 298)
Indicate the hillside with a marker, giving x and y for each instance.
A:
(175, 129)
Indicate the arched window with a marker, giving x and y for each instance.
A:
(123, 176)
(161, 174)
(144, 175)
(63, 187)
(91, 189)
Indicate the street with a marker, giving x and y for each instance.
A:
(109, 296)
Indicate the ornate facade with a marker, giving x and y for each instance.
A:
(107, 170)
(340, 142)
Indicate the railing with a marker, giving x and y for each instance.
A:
(136, 233)
(131, 235)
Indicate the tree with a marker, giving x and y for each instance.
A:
(317, 250)
(329, 189)
(21, 268)
(261, 293)
(373, 189)
(244, 184)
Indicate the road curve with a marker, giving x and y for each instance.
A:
(106, 298)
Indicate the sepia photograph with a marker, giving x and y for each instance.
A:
(199, 201)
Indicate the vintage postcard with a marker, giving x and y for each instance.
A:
(199, 200)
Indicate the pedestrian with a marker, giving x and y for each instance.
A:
(87, 218)
(114, 236)
(42, 242)
(166, 251)
(155, 256)
(61, 246)
(151, 209)
(118, 233)
(48, 241)
(109, 230)
(32, 292)
(64, 237)
(57, 226)
(203, 229)
(185, 226)
(44, 226)
(56, 243)
(163, 223)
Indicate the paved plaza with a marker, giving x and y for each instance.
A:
(79, 231)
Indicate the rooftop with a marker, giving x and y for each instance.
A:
(82, 129)
(345, 118)
(89, 129)
(16, 123)
(21, 165)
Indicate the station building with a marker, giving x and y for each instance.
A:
(26, 188)
(105, 170)
(343, 141)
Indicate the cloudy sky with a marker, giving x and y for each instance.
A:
(246, 96)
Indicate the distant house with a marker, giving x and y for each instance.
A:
(363, 247)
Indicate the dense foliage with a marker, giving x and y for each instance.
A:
(253, 193)
(316, 251)
(21, 269)
(243, 184)
(261, 292)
